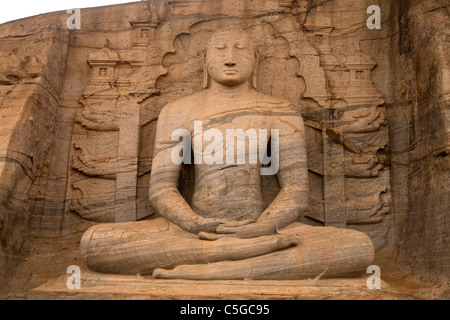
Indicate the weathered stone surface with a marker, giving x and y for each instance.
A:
(419, 136)
(77, 108)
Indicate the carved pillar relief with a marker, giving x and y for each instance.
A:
(106, 134)
(95, 142)
(106, 164)
(355, 175)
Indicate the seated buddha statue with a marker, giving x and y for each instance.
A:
(227, 231)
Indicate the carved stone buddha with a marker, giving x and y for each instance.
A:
(227, 231)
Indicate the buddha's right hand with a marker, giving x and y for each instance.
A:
(209, 225)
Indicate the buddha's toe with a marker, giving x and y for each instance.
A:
(160, 273)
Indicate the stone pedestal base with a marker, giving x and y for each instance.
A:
(105, 287)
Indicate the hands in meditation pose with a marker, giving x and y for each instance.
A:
(227, 231)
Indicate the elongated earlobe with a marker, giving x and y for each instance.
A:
(205, 72)
(255, 71)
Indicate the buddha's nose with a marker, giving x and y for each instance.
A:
(230, 58)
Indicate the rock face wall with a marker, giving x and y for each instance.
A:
(419, 133)
(78, 111)
(32, 65)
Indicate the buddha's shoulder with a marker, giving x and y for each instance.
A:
(273, 102)
(183, 104)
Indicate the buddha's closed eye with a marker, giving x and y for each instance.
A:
(221, 46)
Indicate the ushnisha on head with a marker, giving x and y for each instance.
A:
(230, 59)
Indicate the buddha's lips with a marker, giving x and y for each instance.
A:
(230, 72)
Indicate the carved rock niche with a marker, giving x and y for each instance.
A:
(348, 180)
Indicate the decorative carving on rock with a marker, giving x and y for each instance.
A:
(101, 120)
(91, 165)
(363, 120)
(92, 200)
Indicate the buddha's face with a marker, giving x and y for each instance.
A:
(230, 58)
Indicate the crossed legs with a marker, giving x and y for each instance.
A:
(160, 248)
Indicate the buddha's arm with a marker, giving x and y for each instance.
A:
(292, 200)
(164, 195)
(292, 175)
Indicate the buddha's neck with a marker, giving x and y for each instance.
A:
(234, 92)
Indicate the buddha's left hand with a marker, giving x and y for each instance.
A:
(251, 230)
